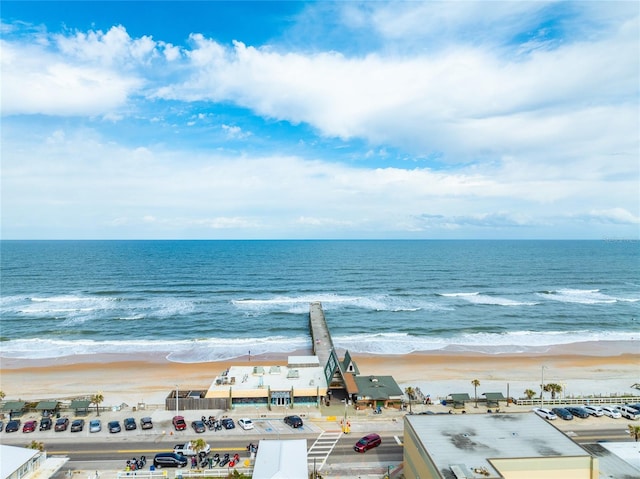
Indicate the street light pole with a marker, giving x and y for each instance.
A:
(177, 395)
(542, 387)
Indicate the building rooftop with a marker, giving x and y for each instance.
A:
(301, 372)
(469, 440)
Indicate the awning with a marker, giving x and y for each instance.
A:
(47, 406)
(79, 404)
(13, 406)
(494, 396)
(460, 397)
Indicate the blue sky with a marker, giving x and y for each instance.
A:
(233, 120)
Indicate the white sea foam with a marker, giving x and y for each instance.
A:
(226, 348)
(478, 298)
(583, 296)
(330, 301)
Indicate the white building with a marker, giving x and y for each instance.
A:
(19, 462)
(281, 460)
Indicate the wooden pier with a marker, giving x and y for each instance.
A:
(322, 343)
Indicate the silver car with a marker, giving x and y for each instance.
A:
(95, 425)
(611, 411)
(594, 410)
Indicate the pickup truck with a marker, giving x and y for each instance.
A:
(186, 449)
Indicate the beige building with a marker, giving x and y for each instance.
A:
(491, 446)
(301, 381)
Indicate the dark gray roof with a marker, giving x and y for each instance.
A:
(377, 387)
(13, 406)
(47, 405)
(494, 396)
(460, 397)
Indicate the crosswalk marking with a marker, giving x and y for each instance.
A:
(319, 451)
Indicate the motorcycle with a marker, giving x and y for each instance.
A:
(136, 464)
(225, 460)
(215, 460)
(204, 460)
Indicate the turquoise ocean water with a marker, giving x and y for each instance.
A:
(195, 301)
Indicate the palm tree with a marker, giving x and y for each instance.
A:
(634, 431)
(38, 446)
(97, 399)
(529, 393)
(411, 394)
(198, 445)
(475, 383)
(2, 395)
(553, 388)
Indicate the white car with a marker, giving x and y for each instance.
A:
(245, 423)
(611, 411)
(594, 410)
(545, 413)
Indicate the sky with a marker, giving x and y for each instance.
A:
(320, 120)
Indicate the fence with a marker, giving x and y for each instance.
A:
(579, 401)
(185, 473)
(195, 404)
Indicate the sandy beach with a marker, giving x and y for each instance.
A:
(581, 368)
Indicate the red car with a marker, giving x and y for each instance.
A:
(179, 423)
(29, 426)
(367, 442)
(61, 424)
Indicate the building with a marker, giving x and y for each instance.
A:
(300, 382)
(281, 460)
(19, 462)
(491, 446)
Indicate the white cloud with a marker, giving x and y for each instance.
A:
(539, 135)
(143, 192)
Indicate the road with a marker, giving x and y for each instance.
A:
(97, 452)
(111, 452)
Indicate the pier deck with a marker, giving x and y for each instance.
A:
(322, 343)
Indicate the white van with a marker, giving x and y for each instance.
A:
(629, 413)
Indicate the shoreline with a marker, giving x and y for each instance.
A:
(581, 368)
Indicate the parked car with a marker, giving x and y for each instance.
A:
(130, 424)
(578, 411)
(635, 406)
(594, 410)
(146, 423)
(1, 425)
(114, 426)
(198, 426)
(95, 425)
(245, 423)
(62, 423)
(628, 412)
(12, 426)
(293, 421)
(563, 413)
(228, 423)
(179, 423)
(169, 459)
(29, 426)
(45, 423)
(611, 411)
(545, 413)
(367, 442)
(77, 425)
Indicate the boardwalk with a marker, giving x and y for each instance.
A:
(322, 343)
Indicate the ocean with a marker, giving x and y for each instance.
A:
(198, 301)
